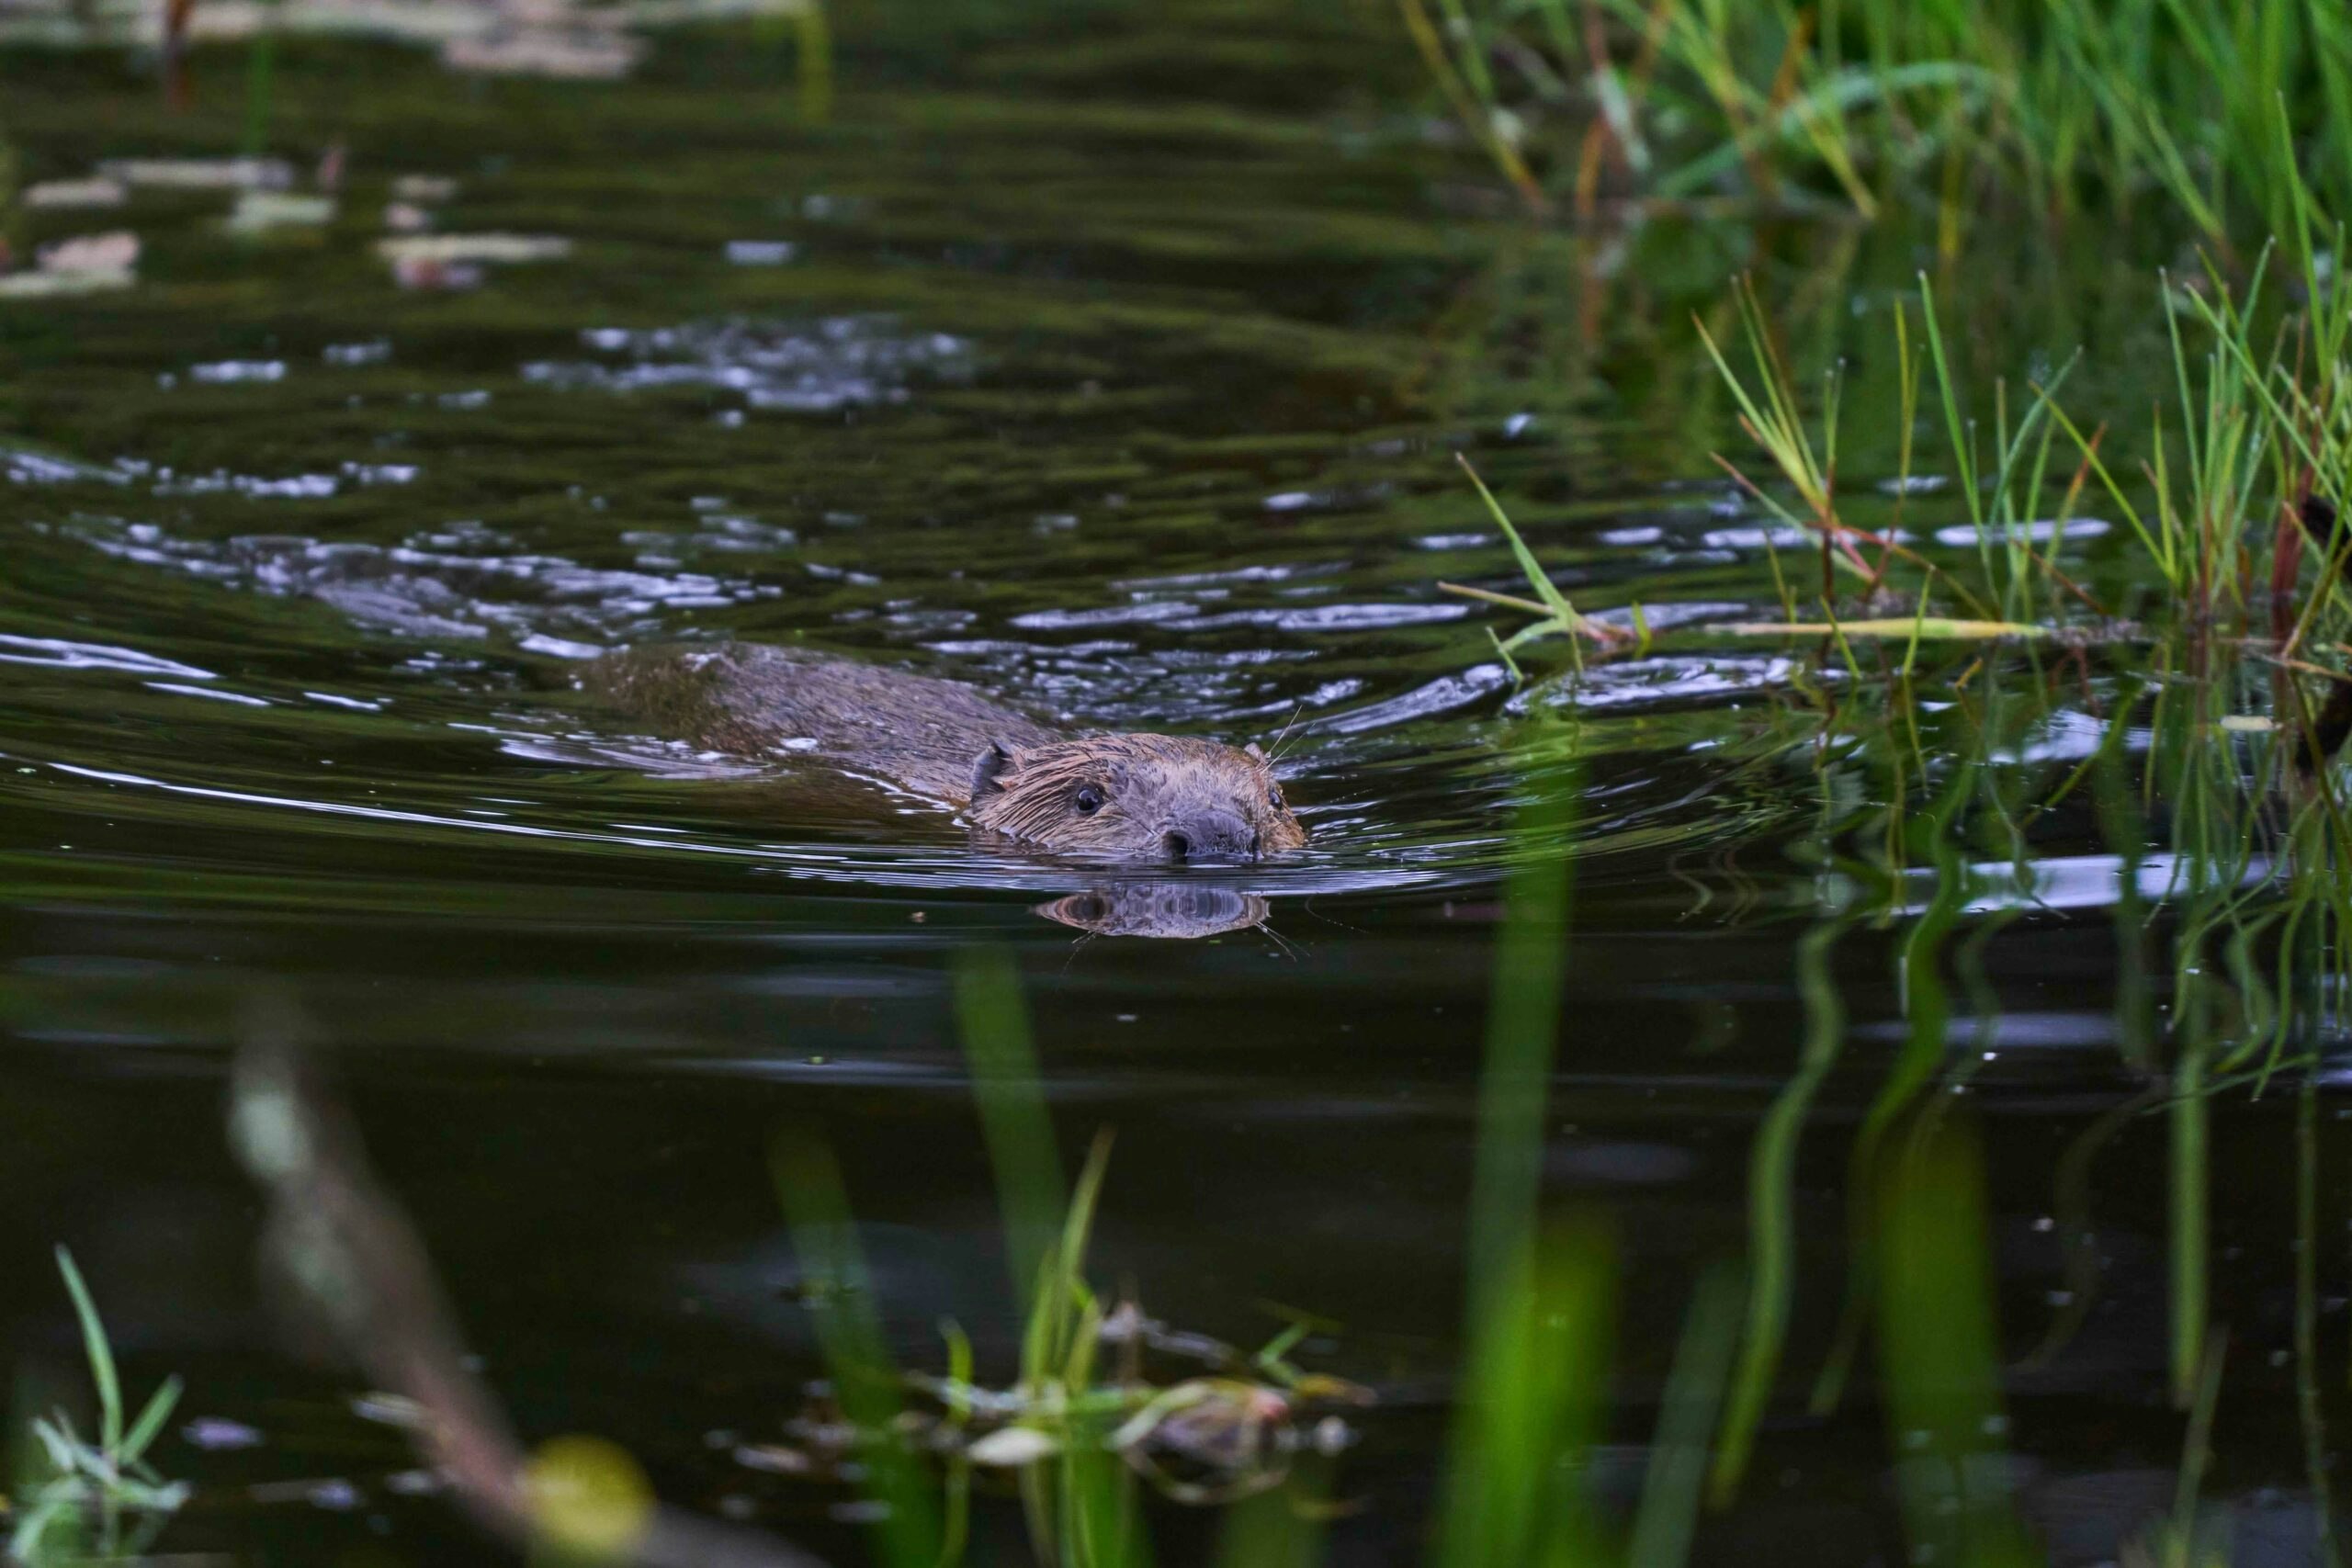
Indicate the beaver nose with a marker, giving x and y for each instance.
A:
(1211, 835)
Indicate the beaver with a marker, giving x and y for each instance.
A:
(2327, 729)
(1118, 797)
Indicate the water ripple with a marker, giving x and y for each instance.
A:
(809, 368)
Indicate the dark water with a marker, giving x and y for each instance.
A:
(1117, 362)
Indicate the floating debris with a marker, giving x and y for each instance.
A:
(761, 253)
(493, 248)
(456, 261)
(258, 211)
(94, 192)
(546, 37)
(115, 251)
(201, 173)
(85, 264)
(423, 188)
(566, 54)
(422, 272)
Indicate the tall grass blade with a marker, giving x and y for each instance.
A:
(1008, 1091)
(99, 1353)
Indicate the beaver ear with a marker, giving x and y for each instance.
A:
(1253, 752)
(986, 766)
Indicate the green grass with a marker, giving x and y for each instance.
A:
(100, 1499)
(2062, 107)
(2202, 635)
(1099, 1413)
(2262, 373)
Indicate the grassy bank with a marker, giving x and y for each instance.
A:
(2060, 107)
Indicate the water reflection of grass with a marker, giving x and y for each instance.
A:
(2241, 935)
(1943, 792)
(1940, 793)
(1935, 840)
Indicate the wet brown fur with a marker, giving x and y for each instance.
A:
(1147, 784)
(2333, 723)
(1113, 796)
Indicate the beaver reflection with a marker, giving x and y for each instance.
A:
(1178, 909)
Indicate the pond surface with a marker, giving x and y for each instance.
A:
(1116, 361)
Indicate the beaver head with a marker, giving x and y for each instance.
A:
(1135, 797)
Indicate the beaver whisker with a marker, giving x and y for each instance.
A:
(1275, 752)
(1308, 905)
(1266, 929)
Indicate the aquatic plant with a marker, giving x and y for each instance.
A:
(2211, 784)
(1935, 843)
(2219, 510)
(2063, 107)
(101, 1500)
(1083, 1427)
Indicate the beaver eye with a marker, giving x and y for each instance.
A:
(1274, 797)
(1089, 800)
